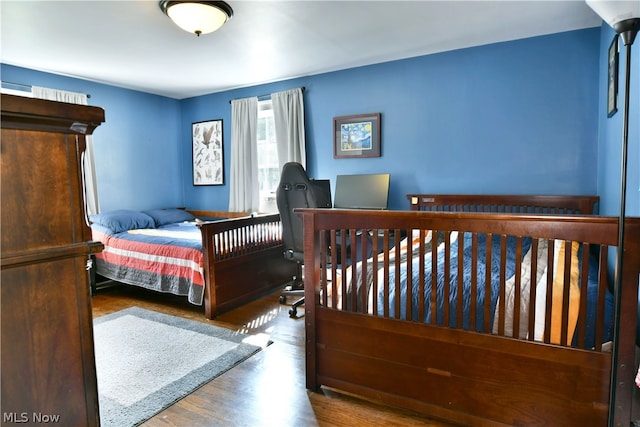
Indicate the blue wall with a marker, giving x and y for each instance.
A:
(514, 117)
(610, 132)
(138, 163)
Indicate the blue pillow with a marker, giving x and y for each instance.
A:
(169, 216)
(122, 220)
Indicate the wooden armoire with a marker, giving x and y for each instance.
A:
(48, 362)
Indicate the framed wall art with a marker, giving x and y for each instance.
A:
(208, 158)
(612, 86)
(356, 136)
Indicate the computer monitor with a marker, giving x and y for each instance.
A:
(362, 191)
(322, 192)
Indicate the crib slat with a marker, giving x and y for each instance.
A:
(323, 271)
(473, 309)
(547, 318)
(364, 270)
(386, 283)
(487, 284)
(602, 289)
(502, 285)
(343, 262)
(517, 290)
(566, 289)
(421, 275)
(533, 288)
(434, 273)
(396, 280)
(581, 326)
(374, 269)
(353, 253)
(409, 267)
(460, 284)
(447, 278)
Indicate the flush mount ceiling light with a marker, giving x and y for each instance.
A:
(197, 17)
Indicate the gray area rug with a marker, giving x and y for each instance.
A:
(146, 361)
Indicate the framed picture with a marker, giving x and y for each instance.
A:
(356, 136)
(612, 86)
(208, 159)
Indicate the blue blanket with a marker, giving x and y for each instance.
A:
(453, 280)
(494, 288)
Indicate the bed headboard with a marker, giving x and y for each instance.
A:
(504, 203)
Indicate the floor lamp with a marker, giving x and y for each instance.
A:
(624, 18)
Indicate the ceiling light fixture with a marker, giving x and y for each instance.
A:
(624, 18)
(197, 17)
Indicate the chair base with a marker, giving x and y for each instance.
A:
(293, 311)
(294, 288)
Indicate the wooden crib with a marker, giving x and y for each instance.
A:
(459, 356)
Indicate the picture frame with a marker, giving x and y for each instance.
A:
(612, 85)
(207, 152)
(356, 136)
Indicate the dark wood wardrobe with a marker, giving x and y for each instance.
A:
(48, 362)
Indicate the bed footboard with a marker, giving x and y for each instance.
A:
(369, 332)
(243, 259)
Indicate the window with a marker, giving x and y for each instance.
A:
(268, 168)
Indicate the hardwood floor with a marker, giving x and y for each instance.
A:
(268, 389)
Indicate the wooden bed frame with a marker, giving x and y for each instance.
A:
(460, 375)
(243, 259)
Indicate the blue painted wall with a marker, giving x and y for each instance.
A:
(610, 132)
(138, 163)
(514, 117)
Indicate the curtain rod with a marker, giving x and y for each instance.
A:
(267, 96)
(27, 86)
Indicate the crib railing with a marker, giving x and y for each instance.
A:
(504, 203)
(517, 276)
(488, 283)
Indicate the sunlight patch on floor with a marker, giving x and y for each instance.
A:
(259, 322)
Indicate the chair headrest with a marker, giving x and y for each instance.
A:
(293, 173)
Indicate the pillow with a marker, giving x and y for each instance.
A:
(121, 220)
(168, 216)
(557, 270)
(525, 292)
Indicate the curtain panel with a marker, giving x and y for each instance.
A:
(288, 116)
(244, 189)
(90, 183)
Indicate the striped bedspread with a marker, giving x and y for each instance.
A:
(166, 259)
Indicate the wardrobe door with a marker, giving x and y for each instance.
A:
(48, 361)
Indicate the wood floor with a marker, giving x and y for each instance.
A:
(268, 389)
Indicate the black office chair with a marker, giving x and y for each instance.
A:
(296, 190)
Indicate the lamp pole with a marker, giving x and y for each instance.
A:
(627, 30)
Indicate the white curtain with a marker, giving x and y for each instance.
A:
(288, 117)
(244, 189)
(88, 163)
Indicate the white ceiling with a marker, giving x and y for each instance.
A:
(132, 44)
